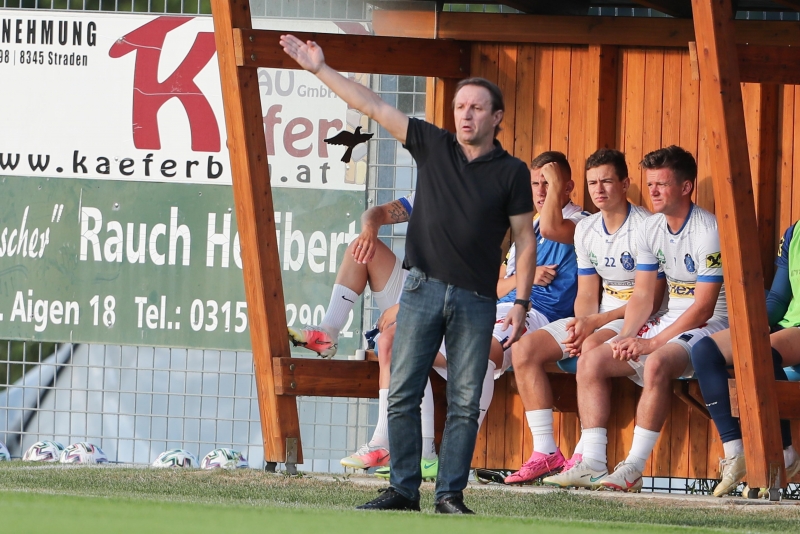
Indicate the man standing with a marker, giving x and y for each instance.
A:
(469, 191)
(682, 240)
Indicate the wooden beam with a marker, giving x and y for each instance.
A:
(791, 4)
(680, 8)
(689, 392)
(546, 29)
(439, 94)
(761, 119)
(600, 128)
(359, 53)
(769, 64)
(254, 215)
(730, 170)
(788, 394)
(326, 378)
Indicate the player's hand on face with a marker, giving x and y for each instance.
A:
(552, 173)
(515, 319)
(544, 275)
(388, 318)
(308, 55)
(365, 244)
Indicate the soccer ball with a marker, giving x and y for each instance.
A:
(223, 458)
(4, 454)
(43, 451)
(175, 458)
(83, 453)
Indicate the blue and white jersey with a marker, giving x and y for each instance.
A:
(690, 255)
(610, 256)
(556, 300)
(408, 202)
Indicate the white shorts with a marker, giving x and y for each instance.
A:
(687, 340)
(390, 294)
(558, 329)
(533, 321)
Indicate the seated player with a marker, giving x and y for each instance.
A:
(366, 261)
(605, 244)
(682, 239)
(714, 354)
(555, 284)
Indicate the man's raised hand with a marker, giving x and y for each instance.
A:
(308, 55)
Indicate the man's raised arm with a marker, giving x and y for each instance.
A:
(309, 56)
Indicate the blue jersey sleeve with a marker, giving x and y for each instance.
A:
(780, 294)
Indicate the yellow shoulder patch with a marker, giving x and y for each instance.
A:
(714, 261)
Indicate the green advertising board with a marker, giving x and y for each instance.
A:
(158, 264)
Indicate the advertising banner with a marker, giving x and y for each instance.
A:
(157, 264)
(137, 97)
(114, 227)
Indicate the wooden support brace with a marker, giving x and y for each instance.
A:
(254, 215)
(359, 53)
(689, 392)
(788, 394)
(730, 170)
(326, 378)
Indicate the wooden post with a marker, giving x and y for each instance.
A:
(255, 218)
(733, 190)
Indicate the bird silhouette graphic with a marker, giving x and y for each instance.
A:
(350, 140)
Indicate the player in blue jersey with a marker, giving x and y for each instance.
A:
(605, 244)
(713, 355)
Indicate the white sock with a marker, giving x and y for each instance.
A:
(428, 432)
(380, 438)
(733, 448)
(789, 455)
(595, 442)
(487, 393)
(342, 301)
(541, 425)
(643, 442)
(579, 446)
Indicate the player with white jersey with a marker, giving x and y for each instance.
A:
(555, 281)
(368, 261)
(606, 250)
(682, 239)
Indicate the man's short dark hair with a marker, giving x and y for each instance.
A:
(552, 156)
(609, 156)
(495, 93)
(679, 161)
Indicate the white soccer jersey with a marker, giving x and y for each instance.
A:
(611, 256)
(691, 255)
(571, 212)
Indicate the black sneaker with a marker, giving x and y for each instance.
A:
(452, 505)
(390, 499)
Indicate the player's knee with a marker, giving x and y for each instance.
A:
(657, 372)
(589, 344)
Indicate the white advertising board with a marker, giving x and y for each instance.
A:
(137, 98)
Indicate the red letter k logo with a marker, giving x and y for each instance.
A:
(149, 94)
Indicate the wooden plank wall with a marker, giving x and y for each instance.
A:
(563, 98)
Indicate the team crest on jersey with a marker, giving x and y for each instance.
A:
(627, 261)
(714, 261)
(689, 263)
(660, 257)
(593, 259)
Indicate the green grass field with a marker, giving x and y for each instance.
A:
(38, 498)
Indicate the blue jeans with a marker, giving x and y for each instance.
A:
(430, 310)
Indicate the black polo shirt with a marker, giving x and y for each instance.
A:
(462, 208)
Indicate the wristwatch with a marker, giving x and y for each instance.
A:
(525, 303)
